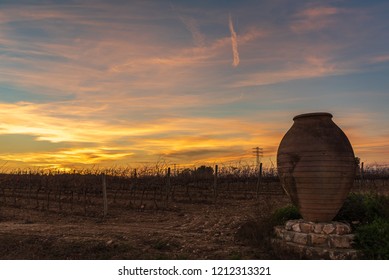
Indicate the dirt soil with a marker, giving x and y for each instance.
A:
(184, 231)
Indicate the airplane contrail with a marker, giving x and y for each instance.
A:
(234, 42)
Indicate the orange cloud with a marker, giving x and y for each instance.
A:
(66, 158)
(126, 142)
(129, 92)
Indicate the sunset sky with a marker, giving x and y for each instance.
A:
(127, 83)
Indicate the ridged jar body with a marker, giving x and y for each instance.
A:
(316, 165)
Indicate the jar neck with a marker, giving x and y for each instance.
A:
(313, 116)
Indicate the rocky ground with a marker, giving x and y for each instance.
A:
(227, 230)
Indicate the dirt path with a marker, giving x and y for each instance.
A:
(190, 231)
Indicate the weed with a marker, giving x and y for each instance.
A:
(369, 216)
(373, 239)
(283, 214)
(364, 208)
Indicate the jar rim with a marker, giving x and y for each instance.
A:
(317, 114)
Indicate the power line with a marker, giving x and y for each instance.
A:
(258, 152)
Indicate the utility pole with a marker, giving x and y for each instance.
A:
(258, 152)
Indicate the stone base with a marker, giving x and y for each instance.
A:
(299, 239)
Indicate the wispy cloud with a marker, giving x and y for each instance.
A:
(310, 67)
(380, 58)
(364, 130)
(141, 81)
(234, 42)
(56, 123)
(67, 158)
(314, 18)
(192, 25)
(97, 140)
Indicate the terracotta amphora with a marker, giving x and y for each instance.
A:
(316, 166)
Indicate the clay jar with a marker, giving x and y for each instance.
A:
(316, 166)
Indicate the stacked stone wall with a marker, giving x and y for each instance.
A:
(299, 239)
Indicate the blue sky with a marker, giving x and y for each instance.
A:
(112, 83)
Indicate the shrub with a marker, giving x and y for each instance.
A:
(364, 208)
(377, 207)
(373, 239)
(281, 215)
(369, 215)
(353, 210)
